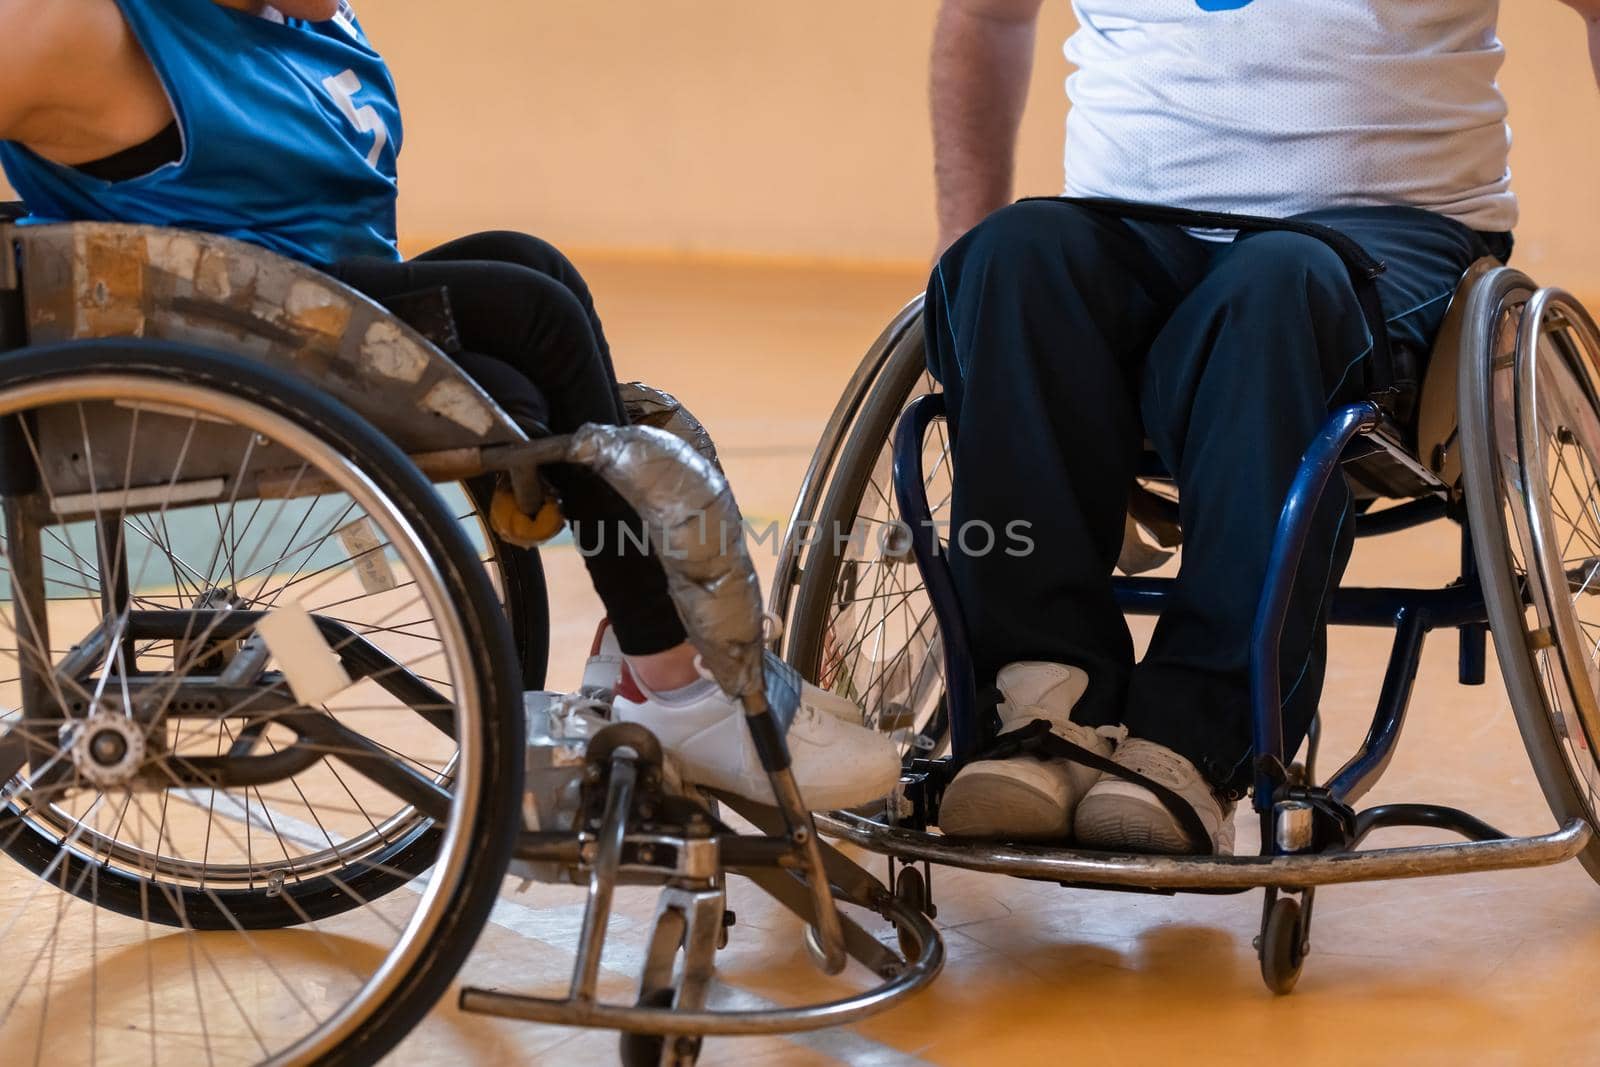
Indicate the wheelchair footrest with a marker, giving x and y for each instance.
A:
(1211, 873)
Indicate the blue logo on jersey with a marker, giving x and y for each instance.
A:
(1223, 5)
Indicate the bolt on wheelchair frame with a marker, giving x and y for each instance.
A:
(1503, 334)
(255, 378)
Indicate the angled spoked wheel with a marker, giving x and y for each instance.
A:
(1530, 440)
(863, 625)
(255, 676)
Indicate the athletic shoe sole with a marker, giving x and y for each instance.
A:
(1012, 800)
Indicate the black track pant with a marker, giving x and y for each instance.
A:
(525, 315)
(1064, 337)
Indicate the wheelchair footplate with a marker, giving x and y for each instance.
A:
(1314, 846)
(605, 808)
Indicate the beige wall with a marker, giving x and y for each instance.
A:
(799, 130)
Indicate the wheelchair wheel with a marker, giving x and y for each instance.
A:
(1530, 431)
(180, 781)
(863, 625)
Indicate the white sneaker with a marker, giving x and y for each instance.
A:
(1025, 798)
(836, 764)
(602, 676)
(1121, 816)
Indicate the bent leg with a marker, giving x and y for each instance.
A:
(535, 253)
(1037, 322)
(1239, 382)
(511, 317)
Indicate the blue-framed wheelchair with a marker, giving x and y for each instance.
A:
(267, 741)
(1503, 455)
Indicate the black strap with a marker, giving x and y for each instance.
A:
(1038, 740)
(1363, 268)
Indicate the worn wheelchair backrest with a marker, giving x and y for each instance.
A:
(101, 280)
(1438, 407)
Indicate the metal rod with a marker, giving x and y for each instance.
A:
(603, 877)
(1472, 658)
(1405, 516)
(1204, 873)
(1288, 547)
(918, 972)
(115, 596)
(830, 932)
(961, 693)
(1433, 816)
(24, 553)
(1363, 770)
(1454, 605)
(1375, 607)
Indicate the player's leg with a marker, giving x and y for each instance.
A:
(1037, 326)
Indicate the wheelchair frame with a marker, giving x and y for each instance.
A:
(1310, 832)
(81, 284)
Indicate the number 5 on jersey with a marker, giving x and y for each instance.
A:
(343, 88)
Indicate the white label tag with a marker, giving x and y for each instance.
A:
(367, 555)
(310, 665)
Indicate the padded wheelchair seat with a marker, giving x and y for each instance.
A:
(1431, 462)
(107, 280)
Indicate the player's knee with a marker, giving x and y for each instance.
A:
(1282, 268)
(1020, 233)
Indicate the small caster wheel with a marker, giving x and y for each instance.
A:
(654, 1050)
(1282, 946)
(728, 921)
(910, 889)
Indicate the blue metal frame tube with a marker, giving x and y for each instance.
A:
(910, 490)
(1317, 468)
(1455, 605)
(1364, 769)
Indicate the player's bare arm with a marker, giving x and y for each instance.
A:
(74, 83)
(982, 62)
(1590, 10)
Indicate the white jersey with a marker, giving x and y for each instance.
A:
(1276, 107)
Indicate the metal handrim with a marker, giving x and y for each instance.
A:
(1556, 408)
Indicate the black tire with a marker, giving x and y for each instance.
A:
(897, 384)
(495, 806)
(1282, 951)
(525, 594)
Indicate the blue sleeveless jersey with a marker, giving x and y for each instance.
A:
(291, 131)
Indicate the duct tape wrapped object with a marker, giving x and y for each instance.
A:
(695, 529)
(648, 406)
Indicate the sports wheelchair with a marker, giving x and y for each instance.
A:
(1505, 444)
(266, 723)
